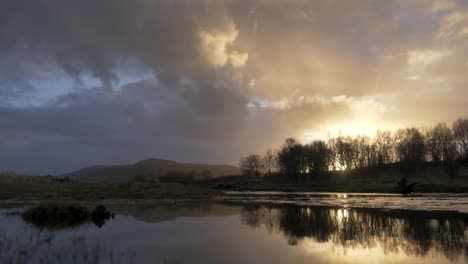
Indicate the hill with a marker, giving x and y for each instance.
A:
(154, 167)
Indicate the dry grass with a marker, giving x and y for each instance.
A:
(27, 188)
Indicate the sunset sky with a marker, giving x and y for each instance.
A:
(115, 81)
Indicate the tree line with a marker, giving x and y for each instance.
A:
(409, 148)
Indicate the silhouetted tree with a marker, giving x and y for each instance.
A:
(460, 133)
(366, 154)
(442, 147)
(384, 147)
(317, 157)
(290, 159)
(410, 147)
(440, 143)
(346, 152)
(269, 162)
(251, 165)
(333, 154)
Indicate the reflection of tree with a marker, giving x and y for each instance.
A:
(413, 232)
(255, 215)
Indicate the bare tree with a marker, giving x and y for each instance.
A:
(460, 133)
(384, 148)
(440, 143)
(410, 147)
(251, 165)
(333, 153)
(346, 152)
(364, 152)
(269, 162)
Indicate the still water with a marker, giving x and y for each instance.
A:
(242, 229)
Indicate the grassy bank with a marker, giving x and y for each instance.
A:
(29, 188)
(47, 189)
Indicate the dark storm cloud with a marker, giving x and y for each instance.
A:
(102, 126)
(89, 35)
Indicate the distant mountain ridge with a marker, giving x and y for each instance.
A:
(156, 167)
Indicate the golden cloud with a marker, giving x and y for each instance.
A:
(215, 47)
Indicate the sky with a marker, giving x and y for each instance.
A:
(116, 81)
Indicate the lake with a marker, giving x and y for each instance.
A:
(261, 227)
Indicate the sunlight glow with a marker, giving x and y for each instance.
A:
(349, 129)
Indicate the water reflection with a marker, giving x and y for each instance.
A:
(65, 216)
(242, 233)
(414, 233)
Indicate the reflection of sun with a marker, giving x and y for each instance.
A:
(327, 253)
(311, 246)
(342, 214)
(339, 167)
